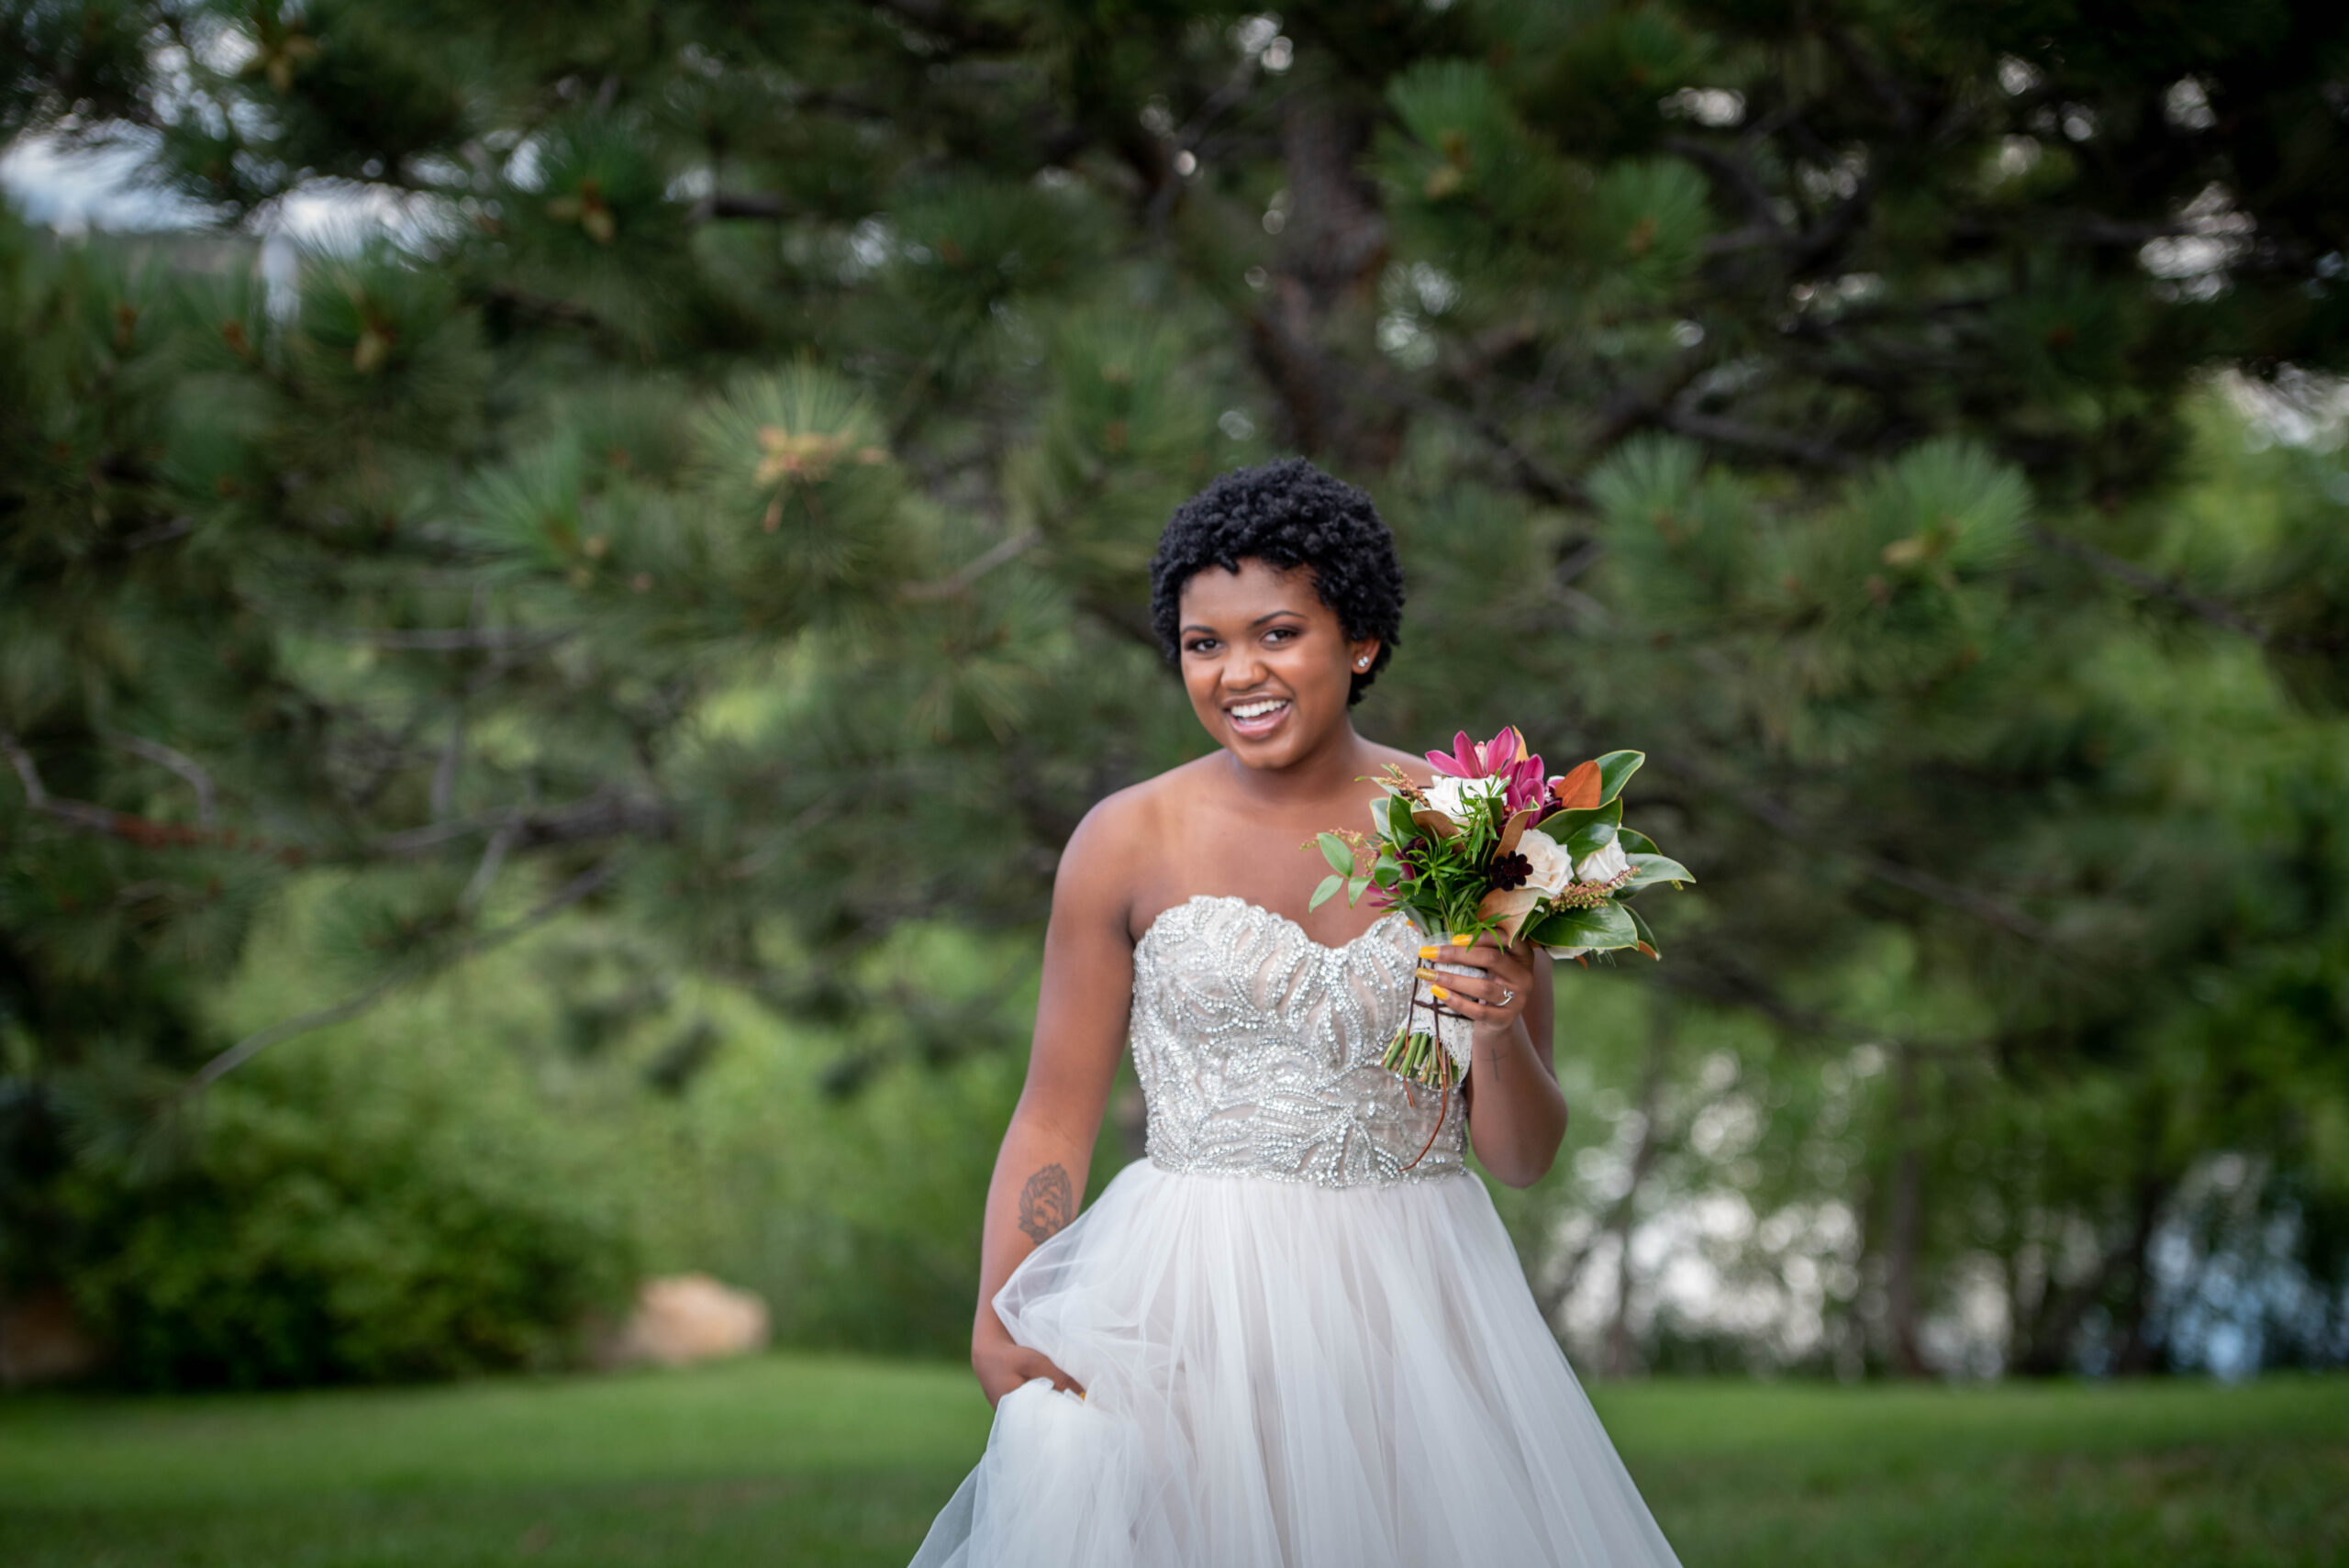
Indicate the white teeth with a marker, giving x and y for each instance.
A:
(1258, 709)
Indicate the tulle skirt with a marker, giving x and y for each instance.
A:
(1281, 1375)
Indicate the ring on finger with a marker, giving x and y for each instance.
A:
(1508, 996)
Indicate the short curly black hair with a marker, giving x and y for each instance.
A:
(1285, 514)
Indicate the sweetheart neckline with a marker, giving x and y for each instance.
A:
(1290, 921)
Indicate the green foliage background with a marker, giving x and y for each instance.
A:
(678, 579)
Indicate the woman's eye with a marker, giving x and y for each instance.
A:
(1202, 645)
(1280, 634)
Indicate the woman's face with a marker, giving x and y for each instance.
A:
(1266, 664)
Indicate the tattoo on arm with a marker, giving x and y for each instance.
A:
(1046, 1203)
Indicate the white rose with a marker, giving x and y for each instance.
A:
(1462, 799)
(1552, 867)
(1604, 863)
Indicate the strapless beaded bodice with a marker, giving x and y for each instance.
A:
(1258, 1050)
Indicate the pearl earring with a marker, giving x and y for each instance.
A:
(1361, 663)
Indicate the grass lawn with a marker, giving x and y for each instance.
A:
(790, 1461)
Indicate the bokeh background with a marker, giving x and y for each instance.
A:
(566, 571)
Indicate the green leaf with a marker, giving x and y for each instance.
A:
(1649, 869)
(1355, 888)
(1634, 843)
(1590, 837)
(1323, 893)
(1562, 826)
(1595, 834)
(1615, 771)
(1337, 852)
(1647, 938)
(1379, 824)
(1602, 928)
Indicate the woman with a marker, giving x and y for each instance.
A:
(1288, 1339)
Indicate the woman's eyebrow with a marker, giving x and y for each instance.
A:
(1268, 614)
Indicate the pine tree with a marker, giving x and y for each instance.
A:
(720, 498)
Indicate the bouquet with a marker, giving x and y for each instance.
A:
(1493, 845)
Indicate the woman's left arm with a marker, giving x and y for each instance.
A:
(1516, 1114)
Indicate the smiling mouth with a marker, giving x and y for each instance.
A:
(1257, 715)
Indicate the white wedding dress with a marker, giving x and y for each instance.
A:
(1298, 1353)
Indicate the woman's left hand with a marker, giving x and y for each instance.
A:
(1494, 1000)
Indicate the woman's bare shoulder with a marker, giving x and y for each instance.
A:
(1115, 838)
(1411, 762)
(1145, 807)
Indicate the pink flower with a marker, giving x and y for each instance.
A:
(1505, 756)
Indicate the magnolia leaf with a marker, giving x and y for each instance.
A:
(1514, 830)
(1434, 823)
(1634, 843)
(1615, 771)
(1562, 826)
(1649, 869)
(1328, 890)
(1579, 789)
(1508, 910)
(1589, 839)
(1647, 938)
(1604, 927)
(1337, 852)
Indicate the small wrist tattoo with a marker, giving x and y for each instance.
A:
(1046, 1204)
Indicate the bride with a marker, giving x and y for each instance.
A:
(1287, 1339)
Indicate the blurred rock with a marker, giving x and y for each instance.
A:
(686, 1319)
(41, 1341)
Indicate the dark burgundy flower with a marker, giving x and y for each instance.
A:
(1511, 871)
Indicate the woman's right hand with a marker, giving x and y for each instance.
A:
(1003, 1365)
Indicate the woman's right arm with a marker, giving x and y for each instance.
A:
(1080, 1031)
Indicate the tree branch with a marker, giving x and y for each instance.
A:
(180, 762)
(446, 640)
(942, 20)
(1880, 83)
(162, 533)
(1728, 983)
(767, 206)
(253, 1045)
(493, 857)
(1529, 472)
(606, 814)
(2146, 583)
(537, 305)
(1717, 431)
(144, 831)
(959, 583)
(1737, 175)
(1925, 884)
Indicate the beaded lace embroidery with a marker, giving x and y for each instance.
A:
(1258, 1050)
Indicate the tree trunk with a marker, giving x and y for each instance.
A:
(2047, 1352)
(2059, 1317)
(2138, 1353)
(1315, 329)
(1620, 1356)
(1904, 1221)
